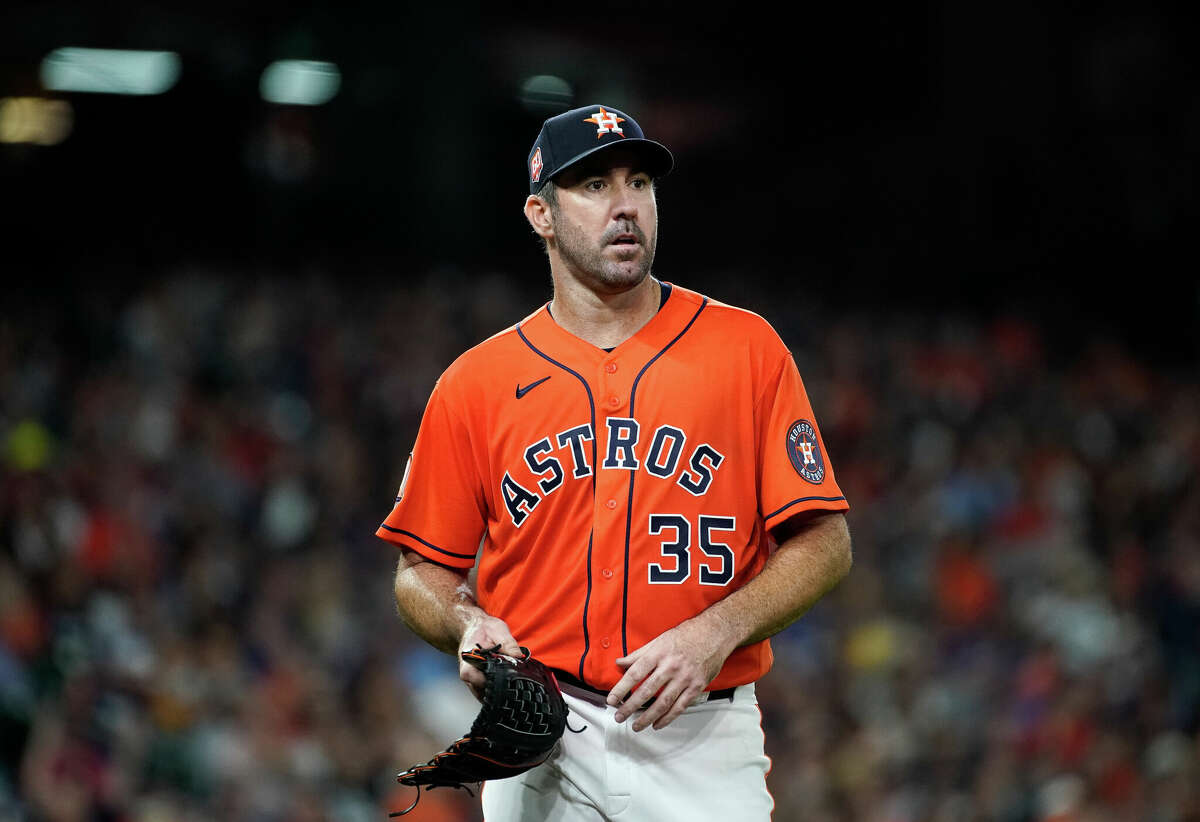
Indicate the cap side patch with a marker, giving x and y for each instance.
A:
(535, 165)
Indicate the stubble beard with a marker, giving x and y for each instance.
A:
(587, 259)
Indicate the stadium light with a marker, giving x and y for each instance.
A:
(546, 92)
(300, 82)
(110, 71)
(35, 120)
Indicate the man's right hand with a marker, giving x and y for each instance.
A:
(486, 631)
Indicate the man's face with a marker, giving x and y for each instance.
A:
(606, 223)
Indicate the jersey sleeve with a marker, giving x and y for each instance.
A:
(795, 473)
(440, 510)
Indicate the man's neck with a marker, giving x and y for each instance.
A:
(604, 320)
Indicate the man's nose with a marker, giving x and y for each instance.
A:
(625, 207)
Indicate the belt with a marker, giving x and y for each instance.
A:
(563, 676)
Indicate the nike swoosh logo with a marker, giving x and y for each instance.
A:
(523, 391)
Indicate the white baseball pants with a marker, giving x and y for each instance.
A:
(707, 764)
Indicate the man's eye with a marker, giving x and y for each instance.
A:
(594, 185)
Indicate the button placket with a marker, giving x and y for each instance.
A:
(613, 391)
(612, 384)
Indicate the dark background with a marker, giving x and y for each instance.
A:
(1025, 155)
(222, 318)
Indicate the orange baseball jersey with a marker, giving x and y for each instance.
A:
(608, 496)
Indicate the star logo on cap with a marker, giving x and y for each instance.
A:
(535, 165)
(606, 123)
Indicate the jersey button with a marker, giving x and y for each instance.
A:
(606, 573)
(604, 642)
(611, 504)
(611, 368)
(614, 401)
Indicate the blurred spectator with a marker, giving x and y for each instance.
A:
(196, 621)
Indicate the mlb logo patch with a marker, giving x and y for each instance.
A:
(535, 165)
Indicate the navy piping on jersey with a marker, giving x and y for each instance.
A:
(632, 474)
(803, 499)
(595, 467)
(425, 543)
(664, 293)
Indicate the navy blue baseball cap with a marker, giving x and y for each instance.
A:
(567, 138)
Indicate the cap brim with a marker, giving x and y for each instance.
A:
(659, 161)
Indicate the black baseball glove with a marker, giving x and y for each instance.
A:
(522, 718)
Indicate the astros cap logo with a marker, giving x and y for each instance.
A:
(535, 165)
(605, 123)
(566, 139)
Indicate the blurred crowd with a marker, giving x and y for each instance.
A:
(196, 620)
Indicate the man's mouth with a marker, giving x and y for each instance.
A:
(625, 239)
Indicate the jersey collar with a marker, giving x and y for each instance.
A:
(672, 317)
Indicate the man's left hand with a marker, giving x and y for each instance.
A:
(674, 668)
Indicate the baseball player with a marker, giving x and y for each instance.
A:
(636, 475)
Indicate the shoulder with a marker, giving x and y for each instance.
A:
(485, 365)
(731, 325)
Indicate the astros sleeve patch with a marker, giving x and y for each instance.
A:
(794, 471)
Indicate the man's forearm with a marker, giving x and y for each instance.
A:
(681, 661)
(434, 601)
(805, 567)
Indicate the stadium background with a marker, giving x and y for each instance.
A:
(222, 317)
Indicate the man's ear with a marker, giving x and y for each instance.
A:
(537, 212)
